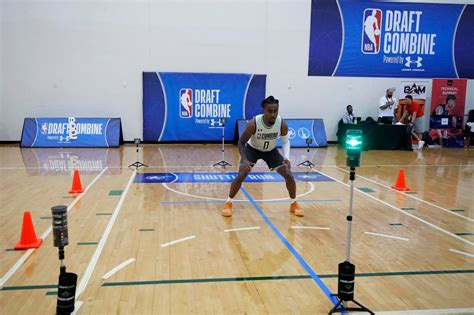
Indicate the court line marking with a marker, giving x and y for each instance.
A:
(388, 236)
(431, 311)
(460, 252)
(243, 229)
(222, 199)
(244, 201)
(178, 241)
(413, 197)
(404, 165)
(95, 258)
(254, 278)
(117, 268)
(309, 227)
(231, 167)
(294, 277)
(298, 257)
(30, 251)
(77, 306)
(404, 212)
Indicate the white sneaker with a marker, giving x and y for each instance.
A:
(421, 144)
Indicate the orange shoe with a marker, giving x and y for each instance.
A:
(296, 209)
(227, 211)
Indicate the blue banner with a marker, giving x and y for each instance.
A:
(71, 132)
(198, 106)
(254, 177)
(373, 38)
(299, 131)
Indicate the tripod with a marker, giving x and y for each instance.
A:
(137, 164)
(346, 274)
(222, 163)
(307, 163)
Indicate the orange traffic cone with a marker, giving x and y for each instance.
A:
(400, 185)
(28, 235)
(76, 183)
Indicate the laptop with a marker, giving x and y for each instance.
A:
(386, 120)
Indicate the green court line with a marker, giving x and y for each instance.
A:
(408, 209)
(374, 274)
(45, 218)
(103, 213)
(30, 287)
(52, 293)
(457, 210)
(238, 279)
(10, 250)
(365, 189)
(395, 224)
(146, 230)
(410, 192)
(87, 243)
(69, 197)
(127, 283)
(115, 192)
(464, 233)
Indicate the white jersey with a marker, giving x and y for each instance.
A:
(265, 137)
(389, 111)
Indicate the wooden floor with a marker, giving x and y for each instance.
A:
(413, 252)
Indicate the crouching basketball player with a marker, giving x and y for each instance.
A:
(259, 142)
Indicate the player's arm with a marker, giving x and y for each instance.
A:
(244, 138)
(413, 117)
(285, 141)
(404, 116)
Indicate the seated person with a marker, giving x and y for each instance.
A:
(348, 117)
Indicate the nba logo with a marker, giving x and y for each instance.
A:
(371, 31)
(44, 128)
(185, 103)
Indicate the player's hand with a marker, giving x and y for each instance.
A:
(287, 164)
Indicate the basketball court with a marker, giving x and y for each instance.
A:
(152, 240)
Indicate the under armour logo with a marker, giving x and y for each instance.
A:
(215, 122)
(409, 62)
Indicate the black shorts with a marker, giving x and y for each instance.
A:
(273, 158)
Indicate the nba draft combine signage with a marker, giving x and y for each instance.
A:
(196, 106)
(71, 132)
(391, 39)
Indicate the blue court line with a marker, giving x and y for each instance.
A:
(298, 257)
(241, 201)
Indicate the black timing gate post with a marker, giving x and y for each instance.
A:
(67, 280)
(307, 163)
(137, 164)
(222, 162)
(346, 270)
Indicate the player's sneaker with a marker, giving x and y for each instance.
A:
(227, 211)
(421, 144)
(296, 209)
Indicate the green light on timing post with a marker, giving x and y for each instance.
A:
(353, 147)
(354, 143)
